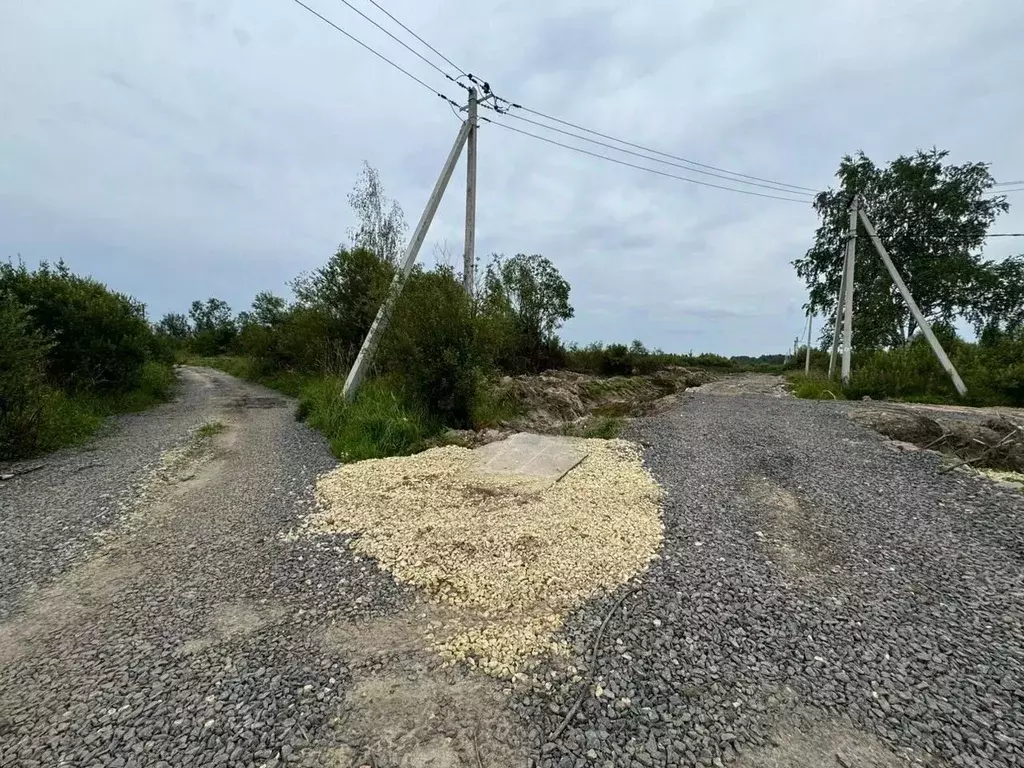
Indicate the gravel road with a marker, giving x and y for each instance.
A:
(191, 633)
(821, 600)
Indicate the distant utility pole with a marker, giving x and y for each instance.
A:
(807, 359)
(469, 262)
(844, 304)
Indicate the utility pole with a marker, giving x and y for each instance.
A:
(922, 322)
(469, 263)
(807, 360)
(380, 323)
(840, 301)
(851, 258)
(839, 315)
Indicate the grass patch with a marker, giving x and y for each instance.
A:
(375, 424)
(815, 387)
(600, 427)
(493, 405)
(209, 430)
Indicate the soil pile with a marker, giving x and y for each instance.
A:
(995, 442)
(550, 401)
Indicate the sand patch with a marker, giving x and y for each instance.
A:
(514, 559)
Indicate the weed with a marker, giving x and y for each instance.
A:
(492, 405)
(209, 430)
(375, 424)
(600, 427)
(815, 387)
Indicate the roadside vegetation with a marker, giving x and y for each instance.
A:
(442, 359)
(72, 352)
(934, 218)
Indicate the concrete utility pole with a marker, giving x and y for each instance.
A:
(807, 360)
(839, 315)
(469, 263)
(922, 322)
(841, 299)
(851, 259)
(365, 357)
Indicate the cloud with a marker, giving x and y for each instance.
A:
(182, 149)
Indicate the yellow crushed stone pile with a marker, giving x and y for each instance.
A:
(512, 559)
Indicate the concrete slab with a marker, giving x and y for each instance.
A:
(541, 457)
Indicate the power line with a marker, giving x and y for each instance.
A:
(641, 167)
(1004, 191)
(381, 56)
(732, 175)
(638, 154)
(1006, 234)
(659, 152)
(1007, 183)
(452, 64)
(691, 165)
(402, 42)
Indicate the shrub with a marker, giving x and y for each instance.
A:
(100, 339)
(23, 389)
(337, 304)
(616, 361)
(430, 349)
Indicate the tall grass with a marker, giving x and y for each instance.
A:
(375, 424)
(62, 420)
(815, 387)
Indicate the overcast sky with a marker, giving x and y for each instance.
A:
(180, 150)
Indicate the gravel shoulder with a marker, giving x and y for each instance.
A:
(819, 600)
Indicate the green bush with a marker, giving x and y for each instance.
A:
(23, 388)
(100, 339)
(430, 349)
(616, 361)
(71, 353)
(336, 305)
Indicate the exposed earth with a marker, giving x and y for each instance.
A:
(818, 600)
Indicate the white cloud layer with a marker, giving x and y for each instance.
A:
(178, 150)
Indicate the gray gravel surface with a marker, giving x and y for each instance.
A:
(812, 581)
(194, 637)
(51, 512)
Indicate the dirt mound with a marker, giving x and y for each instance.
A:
(549, 401)
(996, 442)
